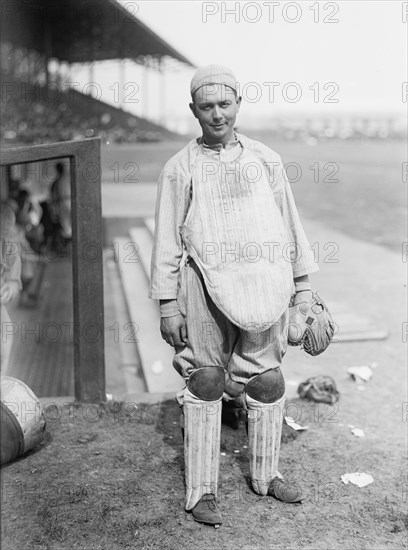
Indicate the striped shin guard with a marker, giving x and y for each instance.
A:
(264, 433)
(202, 435)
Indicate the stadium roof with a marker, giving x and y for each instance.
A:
(79, 31)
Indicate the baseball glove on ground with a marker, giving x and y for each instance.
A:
(314, 326)
(319, 388)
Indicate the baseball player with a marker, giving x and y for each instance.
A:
(229, 253)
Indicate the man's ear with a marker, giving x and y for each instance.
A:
(239, 99)
(192, 107)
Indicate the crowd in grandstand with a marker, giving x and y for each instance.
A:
(34, 113)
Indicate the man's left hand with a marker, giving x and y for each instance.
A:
(304, 297)
(301, 305)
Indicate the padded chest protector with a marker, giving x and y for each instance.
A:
(235, 233)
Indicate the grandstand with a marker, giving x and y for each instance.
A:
(38, 105)
(35, 113)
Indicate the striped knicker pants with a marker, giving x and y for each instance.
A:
(214, 341)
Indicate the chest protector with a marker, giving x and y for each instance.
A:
(235, 233)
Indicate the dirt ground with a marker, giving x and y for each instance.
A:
(111, 477)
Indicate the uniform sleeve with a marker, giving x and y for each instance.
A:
(171, 209)
(303, 262)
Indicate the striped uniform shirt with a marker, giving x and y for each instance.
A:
(173, 200)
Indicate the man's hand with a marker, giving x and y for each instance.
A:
(8, 290)
(174, 330)
(304, 297)
(298, 310)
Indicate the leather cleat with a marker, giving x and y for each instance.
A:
(284, 490)
(206, 511)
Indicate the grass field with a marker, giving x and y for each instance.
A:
(356, 187)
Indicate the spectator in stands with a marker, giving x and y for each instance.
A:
(10, 280)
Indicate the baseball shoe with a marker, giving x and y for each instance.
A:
(284, 490)
(206, 511)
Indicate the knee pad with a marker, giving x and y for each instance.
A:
(267, 387)
(207, 383)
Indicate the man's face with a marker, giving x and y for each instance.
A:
(216, 107)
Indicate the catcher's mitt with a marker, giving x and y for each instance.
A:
(310, 325)
(319, 388)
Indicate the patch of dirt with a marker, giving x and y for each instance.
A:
(111, 477)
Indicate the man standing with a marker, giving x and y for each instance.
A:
(228, 255)
(60, 201)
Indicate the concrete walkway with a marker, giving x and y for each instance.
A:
(354, 275)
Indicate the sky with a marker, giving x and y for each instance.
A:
(290, 58)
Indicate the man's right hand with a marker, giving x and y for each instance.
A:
(174, 330)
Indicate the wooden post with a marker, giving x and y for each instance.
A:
(87, 260)
(48, 49)
(87, 256)
(145, 104)
(162, 73)
(122, 81)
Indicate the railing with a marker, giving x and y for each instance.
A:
(87, 268)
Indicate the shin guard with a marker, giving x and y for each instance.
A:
(202, 434)
(264, 433)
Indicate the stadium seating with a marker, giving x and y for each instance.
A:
(32, 113)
